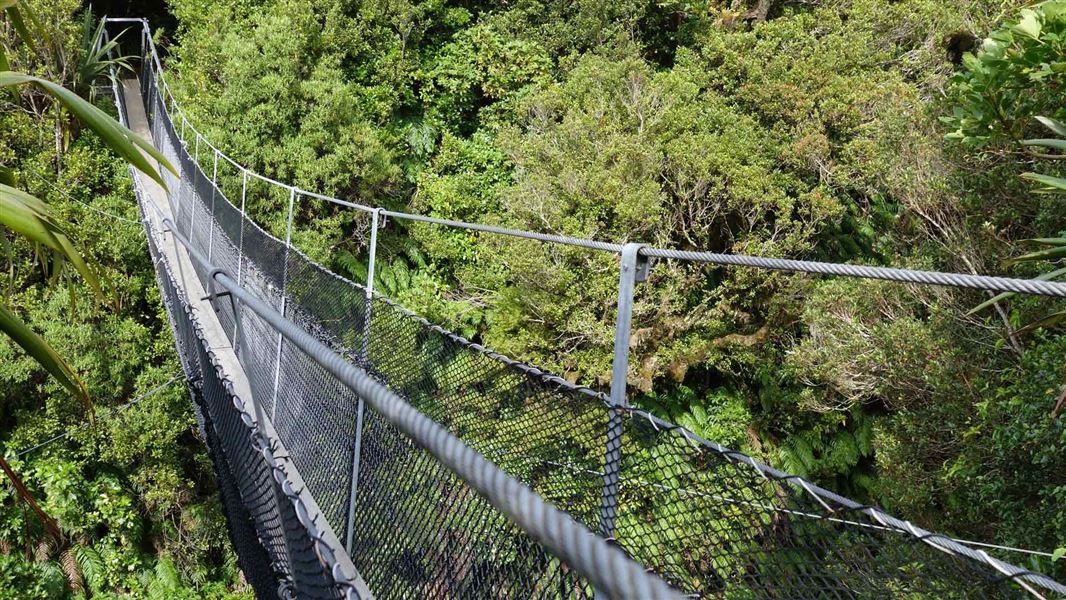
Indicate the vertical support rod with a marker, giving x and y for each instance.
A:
(375, 216)
(284, 301)
(240, 237)
(145, 68)
(214, 192)
(363, 357)
(634, 268)
(192, 203)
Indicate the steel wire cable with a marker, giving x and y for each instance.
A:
(110, 413)
(961, 280)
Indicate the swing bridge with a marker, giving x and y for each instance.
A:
(361, 451)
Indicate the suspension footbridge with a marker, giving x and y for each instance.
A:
(362, 451)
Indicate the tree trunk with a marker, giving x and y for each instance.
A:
(49, 523)
(761, 10)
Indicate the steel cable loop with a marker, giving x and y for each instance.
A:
(607, 567)
(981, 282)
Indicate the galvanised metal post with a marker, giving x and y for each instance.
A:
(192, 204)
(364, 359)
(284, 301)
(634, 268)
(240, 237)
(375, 216)
(144, 61)
(214, 192)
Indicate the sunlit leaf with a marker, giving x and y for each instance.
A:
(1052, 320)
(1046, 143)
(1053, 125)
(31, 218)
(1055, 241)
(1053, 184)
(1049, 254)
(1029, 24)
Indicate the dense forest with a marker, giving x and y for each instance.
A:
(879, 132)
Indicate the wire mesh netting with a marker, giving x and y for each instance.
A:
(711, 521)
(280, 551)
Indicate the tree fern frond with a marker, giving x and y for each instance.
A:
(69, 563)
(90, 564)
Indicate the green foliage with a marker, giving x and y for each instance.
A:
(133, 491)
(1009, 87)
(25, 580)
(1012, 78)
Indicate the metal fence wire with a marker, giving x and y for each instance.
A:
(713, 522)
(279, 550)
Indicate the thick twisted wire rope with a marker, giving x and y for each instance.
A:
(66, 195)
(607, 567)
(961, 280)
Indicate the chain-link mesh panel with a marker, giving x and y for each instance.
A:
(713, 522)
(285, 555)
(422, 533)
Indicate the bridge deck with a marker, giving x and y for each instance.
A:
(154, 195)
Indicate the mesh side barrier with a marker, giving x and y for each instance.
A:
(251, 555)
(713, 522)
(527, 425)
(419, 531)
(246, 465)
(709, 522)
(315, 418)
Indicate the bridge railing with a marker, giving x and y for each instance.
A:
(710, 520)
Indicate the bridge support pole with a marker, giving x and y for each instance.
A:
(634, 268)
(364, 359)
(240, 238)
(214, 192)
(284, 302)
(192, 201)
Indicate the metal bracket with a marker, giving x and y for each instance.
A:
(212, 297)
(634, 268)
(643, 267)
